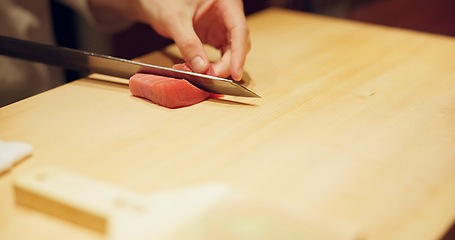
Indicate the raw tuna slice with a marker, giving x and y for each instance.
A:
(168, 92)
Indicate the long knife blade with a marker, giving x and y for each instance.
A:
(113, 66)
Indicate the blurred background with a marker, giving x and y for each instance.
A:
(435, 16)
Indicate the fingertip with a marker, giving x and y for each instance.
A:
(237, 76)
(198, 64)
(220, 70)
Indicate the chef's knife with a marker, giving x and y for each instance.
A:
(113, 66)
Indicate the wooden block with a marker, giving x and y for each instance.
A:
(205, 212)
(109, 209)
(68, 196)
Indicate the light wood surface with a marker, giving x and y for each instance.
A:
(355, 131)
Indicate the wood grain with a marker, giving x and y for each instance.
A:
(356, 123)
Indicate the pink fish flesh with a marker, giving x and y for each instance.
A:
(168, 92)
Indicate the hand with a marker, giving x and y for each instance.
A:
(192, 23)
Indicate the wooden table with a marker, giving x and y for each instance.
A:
(354, 134)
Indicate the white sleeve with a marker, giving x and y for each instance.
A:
(105, 20)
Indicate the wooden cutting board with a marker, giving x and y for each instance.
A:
(355, 127)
